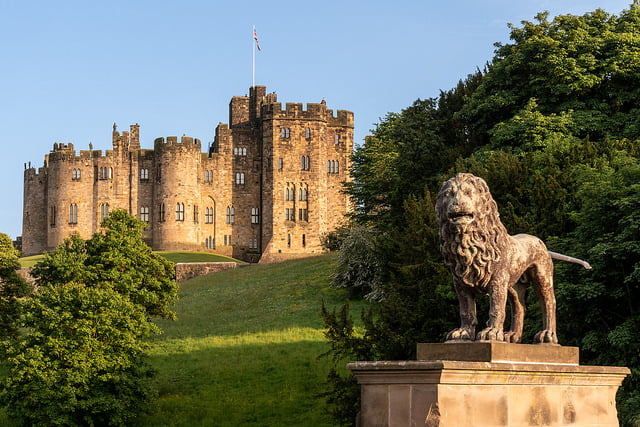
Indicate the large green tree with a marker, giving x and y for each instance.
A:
(553, 125)
(81, 359)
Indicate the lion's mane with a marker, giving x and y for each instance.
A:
(471, 250)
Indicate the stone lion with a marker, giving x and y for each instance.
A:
(485, 259)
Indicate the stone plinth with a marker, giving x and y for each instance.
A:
(493, 392)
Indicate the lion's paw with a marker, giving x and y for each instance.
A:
(546, 337)
(460, 334)
(490, 334)
(512, 337)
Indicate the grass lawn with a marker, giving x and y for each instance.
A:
(244, 350)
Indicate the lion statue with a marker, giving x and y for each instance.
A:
(485, 259)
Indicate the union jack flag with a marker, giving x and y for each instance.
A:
(255, 37)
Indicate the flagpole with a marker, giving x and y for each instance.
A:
(253, 58)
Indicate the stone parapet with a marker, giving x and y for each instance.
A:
(444, 393)
(190, 270)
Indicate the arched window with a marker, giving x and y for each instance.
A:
(240, 178)
(307, 133)
(231, 215)
(144, 174)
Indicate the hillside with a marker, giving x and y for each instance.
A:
(244, 350)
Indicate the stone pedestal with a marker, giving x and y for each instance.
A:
(488, 384)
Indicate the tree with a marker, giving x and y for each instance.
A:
(82, 360)
(12, 287)
(118, 257)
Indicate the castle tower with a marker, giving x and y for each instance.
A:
(176, 193)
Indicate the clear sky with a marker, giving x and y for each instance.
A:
(70, 68)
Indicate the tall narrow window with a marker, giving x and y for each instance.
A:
(337, 139)
(104, 212)
(303, 194)
(288, 240)
(73, 213)
(180, 212)
(240, 178)
(285, 132)
(304, 240)
(303, 214)
(210, 243)
(52, 216)
(307, 133)
(231, 215)
(280, 163)
(110, 173)
(208, 176)
(144, 174)
(144, 214)
(196, 214)
(255, 215)
(305, 163)
(161, 216)
(76, 175)
(208, 215)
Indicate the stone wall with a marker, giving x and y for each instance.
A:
(190, 270)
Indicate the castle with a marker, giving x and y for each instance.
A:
(266, 189)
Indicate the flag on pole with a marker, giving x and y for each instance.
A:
(255, 37)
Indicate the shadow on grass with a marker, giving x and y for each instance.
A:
(250, 384)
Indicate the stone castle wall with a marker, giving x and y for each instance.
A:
(269, 184)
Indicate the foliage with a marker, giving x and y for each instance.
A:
(418, 306)
(360, 264)
(81, 361)
(118, 257)
(553, 125)
(12, 287)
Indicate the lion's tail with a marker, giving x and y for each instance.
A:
(561, 257)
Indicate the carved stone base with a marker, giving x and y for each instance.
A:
(453, 393)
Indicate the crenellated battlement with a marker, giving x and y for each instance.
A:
(314, 112)
(172, 143)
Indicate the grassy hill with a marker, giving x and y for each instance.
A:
(244, 350)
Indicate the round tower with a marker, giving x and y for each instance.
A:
(176, 193)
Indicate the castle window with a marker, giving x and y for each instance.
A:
(144, 214)
(240, 151)
(303, 214)
(303, 194)
(307, 133)
(110, 173)
(208, 216)
(162, 213)
(288, 240)
(255, 215)
(52, 216)
(305, 163)
(333, 166)
(240, 178)
(337, 139)
(290, 193)
(227, 240)
(210, 243)
(304, 240)
(290, 214)
(196, 214)
(231, 215)
(208, 176)
(104, 212)
(280, 163)
(285, 132)
(253, 243)
(76, 175)
(73, 213)
(144, 174)
(180, 212)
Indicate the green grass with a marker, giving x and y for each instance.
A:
(30, 261)
(195, 257)
(244, 350)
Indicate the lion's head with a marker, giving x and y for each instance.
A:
(471, 233)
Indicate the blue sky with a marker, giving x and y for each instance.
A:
(70, 69)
